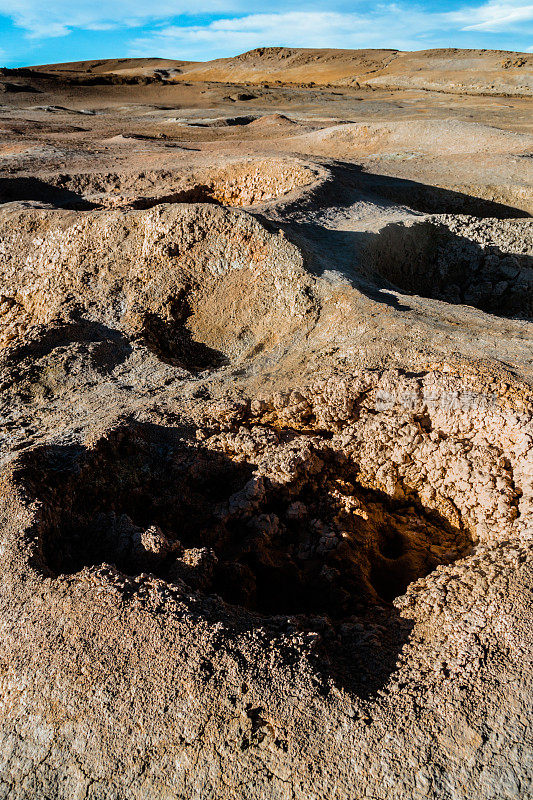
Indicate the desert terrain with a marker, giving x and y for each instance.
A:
(266, 430)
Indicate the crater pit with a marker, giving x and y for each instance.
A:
(310, 511)
(246, 183)
(315, 542)
(483, 263)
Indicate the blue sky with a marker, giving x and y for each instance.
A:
(37, 32)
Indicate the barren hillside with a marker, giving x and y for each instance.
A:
(476, 71)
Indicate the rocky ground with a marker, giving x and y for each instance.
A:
(266, 432)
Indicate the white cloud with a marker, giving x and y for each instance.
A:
(389, 26)
(496, 16)
(59, 17)
(394, 25)
(402, 25)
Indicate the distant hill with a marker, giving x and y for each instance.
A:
(118, 66)
(450, 70)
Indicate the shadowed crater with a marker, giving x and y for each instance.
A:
(318, 552)
(56, 357)
(430, 259)
(202, 193)
(350, 179)
(166, 335)
(472, 251)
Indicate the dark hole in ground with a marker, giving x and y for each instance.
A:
(320, 549)
(318, 544)
(431, 260)
(223, 121)
(392, 545)
(201, 193)
(167, 336)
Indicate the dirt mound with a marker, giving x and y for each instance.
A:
(153, 273)
(273, 119)
(416, 136)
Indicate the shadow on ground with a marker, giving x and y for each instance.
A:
(349, 181)
(112, 349)
(424, 258)
(37, 190)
